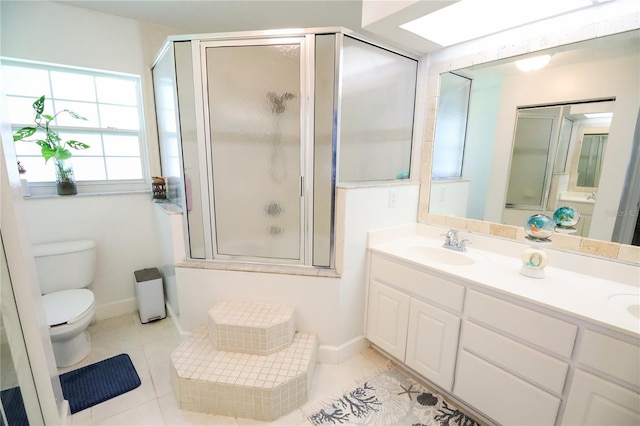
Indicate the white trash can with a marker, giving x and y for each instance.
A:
(150, 293)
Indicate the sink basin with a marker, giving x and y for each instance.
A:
(628, 302)
(445, 256)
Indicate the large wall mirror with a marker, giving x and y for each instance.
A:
(564, 135)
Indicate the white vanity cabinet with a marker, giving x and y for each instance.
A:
(604, 388)
(414, 316)
(513, 361)
(509, 358)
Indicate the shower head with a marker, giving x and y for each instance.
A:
(278, 103)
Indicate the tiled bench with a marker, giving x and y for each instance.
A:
(236, 384)
(251, 327)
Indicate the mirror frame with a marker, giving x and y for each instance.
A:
(447, 60)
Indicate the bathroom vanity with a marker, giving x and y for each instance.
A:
(562, 350)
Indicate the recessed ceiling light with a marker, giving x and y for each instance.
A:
(470, 19)
(534, 63)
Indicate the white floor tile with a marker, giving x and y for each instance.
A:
(141, 395)
(143, 415)
(153, 403)
(173, 415)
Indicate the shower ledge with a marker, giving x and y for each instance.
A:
(308, 271)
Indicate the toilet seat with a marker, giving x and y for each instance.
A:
(66, 306)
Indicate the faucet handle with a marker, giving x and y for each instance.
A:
(462, 245)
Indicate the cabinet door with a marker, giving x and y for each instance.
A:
(432, 343)
(595, 401)
(387, 319)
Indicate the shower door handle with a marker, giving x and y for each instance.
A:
(302, 186)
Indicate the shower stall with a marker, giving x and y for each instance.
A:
(256, 128)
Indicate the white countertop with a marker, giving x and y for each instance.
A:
(579, 295)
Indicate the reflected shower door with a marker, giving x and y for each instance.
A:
(254, 105)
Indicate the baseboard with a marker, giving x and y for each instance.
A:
(338, 354)
(114, 309)
(175, 320)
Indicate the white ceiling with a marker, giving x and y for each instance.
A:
(209, 16)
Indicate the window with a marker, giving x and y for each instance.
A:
(451, 126)
(111, 103)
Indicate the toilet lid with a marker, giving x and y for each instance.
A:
(64, 306)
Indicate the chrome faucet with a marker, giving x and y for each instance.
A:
(450, 238)
(592, 196)
(451, 241)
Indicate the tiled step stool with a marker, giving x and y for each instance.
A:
(263, 386)
(251, 327)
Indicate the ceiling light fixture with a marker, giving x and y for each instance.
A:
(470, 19)
(599, 115)
(534, 63)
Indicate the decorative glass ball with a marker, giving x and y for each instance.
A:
(540, 227)
(566, 216)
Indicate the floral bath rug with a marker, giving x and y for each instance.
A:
(391, 398)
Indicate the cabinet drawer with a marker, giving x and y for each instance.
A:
(611, 356)
(540, 369)
(539, 329)
(442, 292)
(505, 398)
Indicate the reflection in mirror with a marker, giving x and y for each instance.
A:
(590, 162)
(553, 102)
(541, 179)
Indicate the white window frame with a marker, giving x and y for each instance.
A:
(48, 188)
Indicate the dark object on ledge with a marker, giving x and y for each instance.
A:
(159, 188)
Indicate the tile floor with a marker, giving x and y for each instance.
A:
(153, 403)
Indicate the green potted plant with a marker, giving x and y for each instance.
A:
(52, 146)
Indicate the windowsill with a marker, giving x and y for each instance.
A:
(86, 194)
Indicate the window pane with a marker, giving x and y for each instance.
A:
(88, 168)
(36, 169)
(118, 145)
(88, 111)
(114, 91)
(119, 117)
(73, 86)
(92, 139)
(124, 168)
(451, 126)
(26, 81)
(27, 148)
(21, 109)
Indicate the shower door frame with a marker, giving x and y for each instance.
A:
(307, 77)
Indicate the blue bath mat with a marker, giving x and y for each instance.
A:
(14, 407)
(96, 383)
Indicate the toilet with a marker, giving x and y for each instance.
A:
(65, 269)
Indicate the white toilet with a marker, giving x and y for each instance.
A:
(65, 269)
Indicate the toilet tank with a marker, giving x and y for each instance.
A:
(65, 265)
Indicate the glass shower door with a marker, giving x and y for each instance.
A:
(254, 97)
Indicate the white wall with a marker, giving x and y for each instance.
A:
(122, 225)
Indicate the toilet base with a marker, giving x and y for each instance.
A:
(72, 351)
